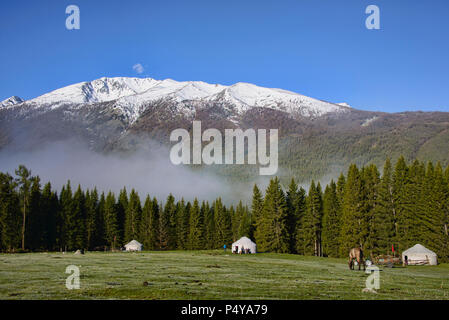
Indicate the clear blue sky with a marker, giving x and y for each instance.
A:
(319, 48)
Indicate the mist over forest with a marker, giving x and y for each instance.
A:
(148, 171)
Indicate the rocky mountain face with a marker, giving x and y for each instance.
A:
(317, 138)
(11, 101)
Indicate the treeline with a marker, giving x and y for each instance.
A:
(38, 219)
(407, 204)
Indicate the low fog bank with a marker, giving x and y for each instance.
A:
(148, 172)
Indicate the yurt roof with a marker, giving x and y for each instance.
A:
(133, 242)
(244, 240)
(417, 248)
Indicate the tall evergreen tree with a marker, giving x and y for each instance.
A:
(195, 240)
(49, 209)
(383, 223)
(122, 207)
(353, 231)
(331, 221)
(244, 229)
(75, 222)
(256, 209)
(209, 227)
(164, 229)
(24, 181)
(371, 181)
(182, 225)
(101, 227)
(64, 222)
(149, 225)
(93, 221)
(111, 221)
(272, 232)
(296, 207)
(235, 222)
(309, 234)
(170, 212)
(433, 222)
(133, 215)
(407, 188)
(223, 225)
(36, 220)
(10, 215)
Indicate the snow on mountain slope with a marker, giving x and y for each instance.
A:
(246, 95)
(131, 95)
(11, 101)
(100, 90)
(243, 96)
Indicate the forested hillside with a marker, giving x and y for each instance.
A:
(405, 205)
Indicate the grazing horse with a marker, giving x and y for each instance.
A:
(357, 254)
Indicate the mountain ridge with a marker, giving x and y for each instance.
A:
(316, 138)
(133, 92)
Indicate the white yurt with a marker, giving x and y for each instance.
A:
(244, 243)
(418, 255)
(133, 246)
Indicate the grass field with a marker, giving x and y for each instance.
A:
(209, 275)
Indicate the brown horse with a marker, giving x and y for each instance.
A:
(357, 254)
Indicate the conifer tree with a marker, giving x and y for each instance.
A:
(170, 212)
(353, 230)
(101, 227)
(309, 234)
(245, 221)
(49, 209)
(235, 221)
(111, 221)
(133, 215)
(182, 225)
(295, 212)
(331, 221)
(148, 225)
(405, 194)
(433, 223)
(164, 228)
(35, 222)
(67, 207)
(256, 209)
(121, 207)
(24, 181)
(371, 181)
(10, 214)
(383, 223)
(209, 227)
(272, 233)
(93, 223)
(195, 238)
(223, 225)
(75, 222)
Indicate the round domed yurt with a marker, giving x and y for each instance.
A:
(419, 255)
(244, 245)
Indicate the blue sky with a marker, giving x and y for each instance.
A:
(319, 48)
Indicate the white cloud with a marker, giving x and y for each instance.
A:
(138, 68)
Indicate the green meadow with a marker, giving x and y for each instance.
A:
(209, 275)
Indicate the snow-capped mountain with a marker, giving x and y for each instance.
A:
(122, 115)
(11, 101)
(131, 94)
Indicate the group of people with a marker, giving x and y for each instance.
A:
(242, 250)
